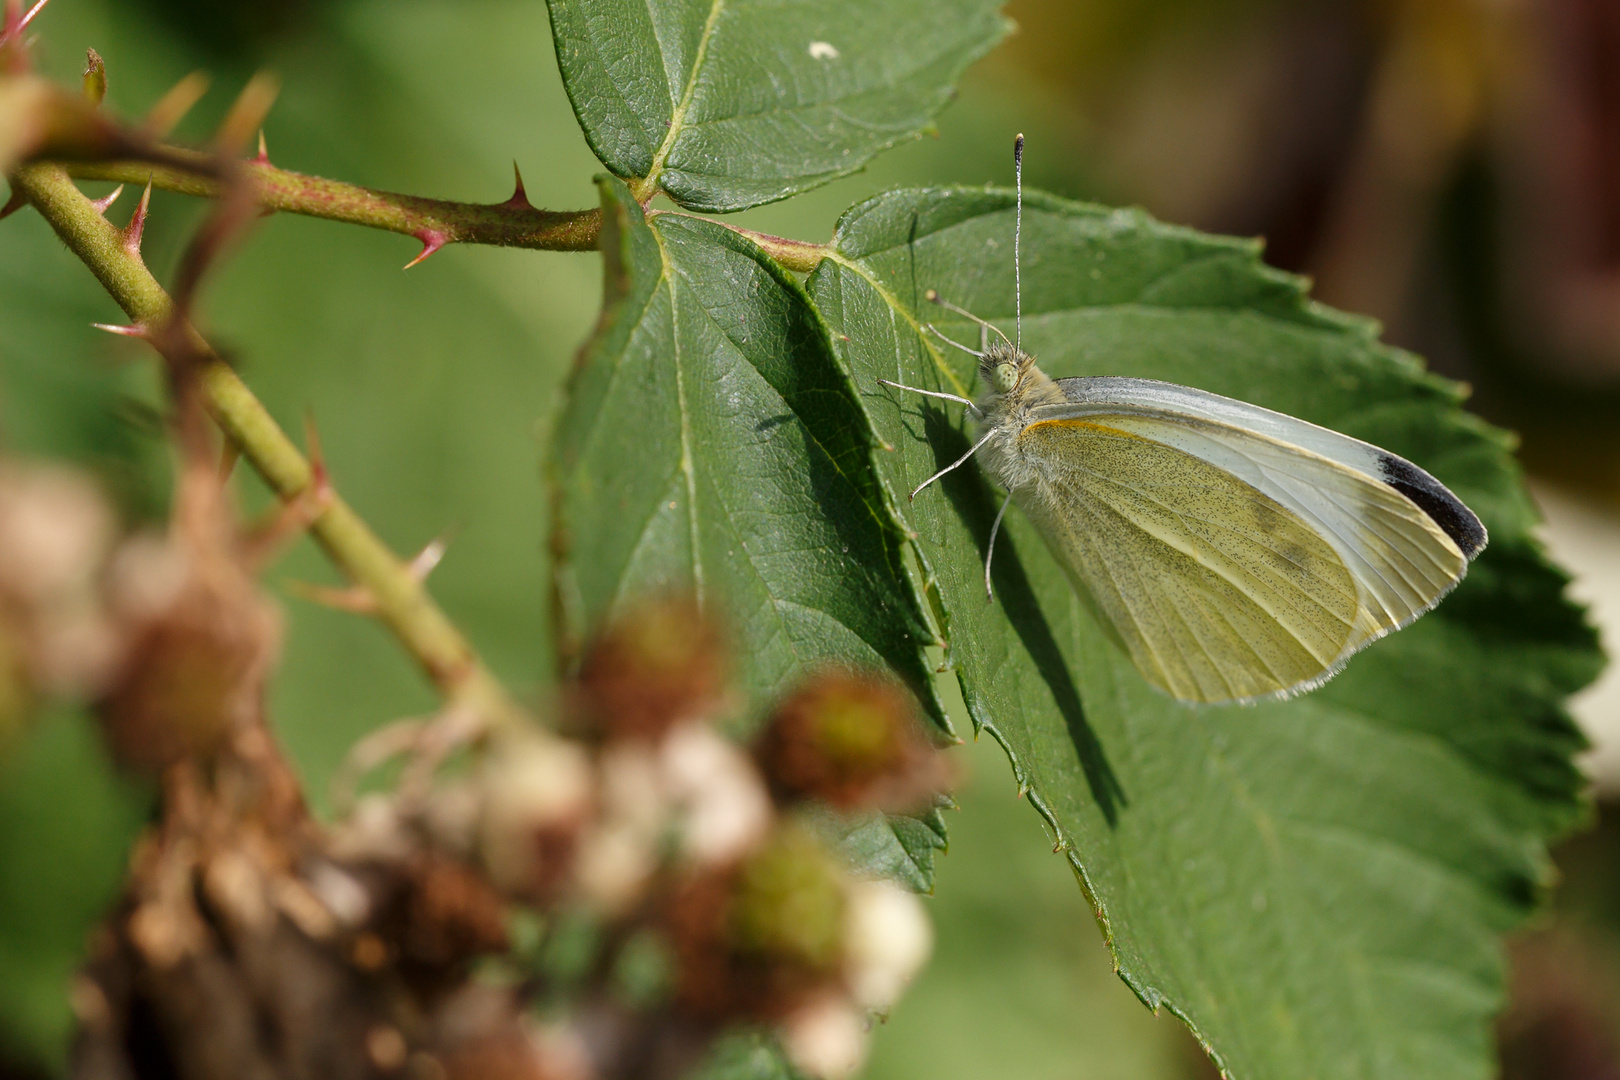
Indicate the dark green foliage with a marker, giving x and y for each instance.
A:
(713, 444)
(66, 822)
(1315, 884)
(727, 105)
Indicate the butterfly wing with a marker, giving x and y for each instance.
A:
(1238, 553)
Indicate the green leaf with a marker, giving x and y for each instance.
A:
(1316, 886)
(745, 1055)
(726, 104)
(712, 444)
(66, 823)
(899, 847)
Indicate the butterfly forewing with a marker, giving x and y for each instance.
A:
(1402, 561)
(1405, 538)
(1218, 591)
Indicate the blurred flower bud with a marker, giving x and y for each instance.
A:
(538, 793)
(853, 742)
(621, 852)
(754, 939)
(826, 1038)
(450, 817)
(790, 902)
(200, 641)
(482, 1037)
(723, 805)
(657, 664)
(373, 832)
(887, 939)
(56, 530)
(449, 915)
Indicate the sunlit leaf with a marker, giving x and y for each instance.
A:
(725, 105)
(712, 445)
(1315, 885)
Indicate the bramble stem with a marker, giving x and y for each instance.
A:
(401, 600)
(434, 222)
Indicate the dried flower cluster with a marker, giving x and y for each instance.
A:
(668, 887)
(602, 900)
(168, 633)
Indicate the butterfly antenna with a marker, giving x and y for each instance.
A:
(934, 298)
(1018, 232)
(932, 329)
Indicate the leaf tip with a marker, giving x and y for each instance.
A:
(174, 105)
(95, 77)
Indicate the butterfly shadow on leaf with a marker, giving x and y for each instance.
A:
(976, 503)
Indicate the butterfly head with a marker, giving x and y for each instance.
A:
(1003, 367)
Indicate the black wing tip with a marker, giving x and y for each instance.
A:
(1434, 499)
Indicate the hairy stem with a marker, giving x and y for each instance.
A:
(401, 600)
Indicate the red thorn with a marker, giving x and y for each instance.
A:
(17, 201)
(137, 223)
(105, 201)
(28, 18)
(520, 198)
(132, 330)
(432, 240)
(263, 157)
(17, 23)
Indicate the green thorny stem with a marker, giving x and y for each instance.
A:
(434, 222)
(400, 599)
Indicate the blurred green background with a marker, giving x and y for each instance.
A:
(1451, 166)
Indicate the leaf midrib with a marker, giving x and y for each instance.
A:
(677, 118)
(667, 274)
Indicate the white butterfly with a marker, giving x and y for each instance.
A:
(1237, 553)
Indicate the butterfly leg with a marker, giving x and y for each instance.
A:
(990, 553)
(957, 463)
(934, 393)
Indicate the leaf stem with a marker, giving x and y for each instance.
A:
(798, 255)
(401, 600)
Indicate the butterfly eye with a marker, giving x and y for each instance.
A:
(1005, 377)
